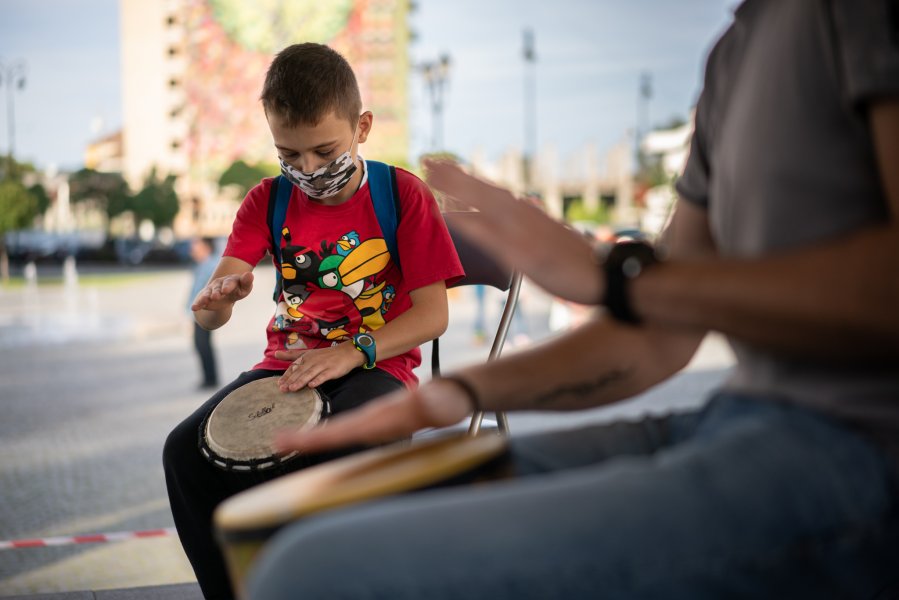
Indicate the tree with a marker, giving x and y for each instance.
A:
(157, 202)
(108, 190)
(245, 176)
(18, 208)
(41, 197)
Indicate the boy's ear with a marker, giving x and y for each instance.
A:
(365, 122)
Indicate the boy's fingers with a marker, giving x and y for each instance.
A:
(201, 300)
(290, 354)
(245, 284)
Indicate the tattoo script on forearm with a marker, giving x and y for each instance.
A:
(581, 392)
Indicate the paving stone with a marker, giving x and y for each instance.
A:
(56, 596)
(180, 591)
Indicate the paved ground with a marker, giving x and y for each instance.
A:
(93, 376)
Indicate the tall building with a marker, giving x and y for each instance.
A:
(192, 71)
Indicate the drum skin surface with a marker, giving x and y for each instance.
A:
(243, 425)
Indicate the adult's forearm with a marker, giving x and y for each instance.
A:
(833, 302)
(599, 363)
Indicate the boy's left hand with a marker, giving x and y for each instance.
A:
(314, 367)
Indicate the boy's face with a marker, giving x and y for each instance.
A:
(310, 147)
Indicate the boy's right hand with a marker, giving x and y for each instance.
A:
(223, 292)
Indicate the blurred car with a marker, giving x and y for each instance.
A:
(134, 251)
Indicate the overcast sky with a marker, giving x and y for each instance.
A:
(590, 54)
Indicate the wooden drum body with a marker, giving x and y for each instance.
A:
(245, 521)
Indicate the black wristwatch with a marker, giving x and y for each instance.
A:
(625, 262)
(365, 344)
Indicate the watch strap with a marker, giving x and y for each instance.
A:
(625, 262)
(368, 351)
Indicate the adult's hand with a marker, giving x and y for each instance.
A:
(392, 417)
(516, 232)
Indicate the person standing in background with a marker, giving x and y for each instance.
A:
(202, 252)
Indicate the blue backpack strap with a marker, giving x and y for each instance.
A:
(385, 196)
(278, 199)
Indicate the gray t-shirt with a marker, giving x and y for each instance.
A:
(782, 158)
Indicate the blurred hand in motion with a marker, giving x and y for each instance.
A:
(390, 418)
(557, 258)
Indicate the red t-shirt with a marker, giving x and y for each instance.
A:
(338, 277)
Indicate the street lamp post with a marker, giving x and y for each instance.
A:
(529, 54)
(436, 75)
(643, 98)
(13, 76)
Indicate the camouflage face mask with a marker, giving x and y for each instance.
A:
(325, 181)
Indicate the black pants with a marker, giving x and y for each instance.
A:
(203, 345)
(196, 486)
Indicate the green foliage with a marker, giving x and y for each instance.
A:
(673, 122)
(18, 206)
(10, 168)
(578, 212)
(651, 172)
(245, 176)
(109, 190)
(157, 202)
(41, 197)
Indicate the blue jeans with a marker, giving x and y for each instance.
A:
(746, 498)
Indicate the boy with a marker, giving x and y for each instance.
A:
(313, 108)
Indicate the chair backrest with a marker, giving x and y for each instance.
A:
(482, 269)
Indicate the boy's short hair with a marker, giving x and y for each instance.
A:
(307, 81)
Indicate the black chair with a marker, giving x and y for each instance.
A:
(482, 269)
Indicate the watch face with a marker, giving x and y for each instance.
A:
(365, 340)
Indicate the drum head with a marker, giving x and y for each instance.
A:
(241, 428)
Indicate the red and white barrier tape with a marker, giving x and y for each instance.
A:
(117, 536)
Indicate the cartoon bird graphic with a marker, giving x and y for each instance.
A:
(299, 265)
(353, 275)
(329, 314)
(348, 273)
(347, 243)
(370, 303)
(389, 296)
(335, 330)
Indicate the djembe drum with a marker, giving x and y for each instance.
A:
(237, 434)
(247, 520)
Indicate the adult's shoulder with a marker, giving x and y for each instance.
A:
(867, 46)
